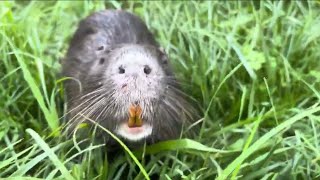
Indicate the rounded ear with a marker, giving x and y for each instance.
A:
(89, 31)
(108, 50)
(103, 49)
(163, 56)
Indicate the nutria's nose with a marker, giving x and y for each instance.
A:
(121, 70)
(146, 69)
(135, 70)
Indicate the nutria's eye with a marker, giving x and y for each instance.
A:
(101, 61)
(107, 51)
(121, 70)
(89, 31)
(100, 48)
(147, 69)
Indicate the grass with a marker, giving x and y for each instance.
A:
(252, 67)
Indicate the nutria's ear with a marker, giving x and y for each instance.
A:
(163, 56)
(108, 50)
(89, 31)
(103, 49)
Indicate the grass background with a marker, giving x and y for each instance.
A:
(253, 67)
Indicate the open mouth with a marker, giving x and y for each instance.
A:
(134, 129)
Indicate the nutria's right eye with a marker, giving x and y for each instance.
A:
(100, 48)
(89, 31)
(147, 69)
(121, 70)
(101, 61)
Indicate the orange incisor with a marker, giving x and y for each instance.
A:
(135, 112)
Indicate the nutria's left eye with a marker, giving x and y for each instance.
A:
(147, 69)
(101, 61)
(89, 31)
(100, 48)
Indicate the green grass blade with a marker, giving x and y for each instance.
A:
(21, 178)
(180, 144)
(51, 117)
(124, 147)
(13, 158)
(52, 156)
(232, 166)
(26, 167)
(248, 142)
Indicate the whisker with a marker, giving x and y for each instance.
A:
(93, 107)
(85, 110)
(92, 97)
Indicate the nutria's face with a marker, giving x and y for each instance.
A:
(131, 91)
(137, 79)
(132, 82)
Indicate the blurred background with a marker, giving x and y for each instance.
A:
(252, 67)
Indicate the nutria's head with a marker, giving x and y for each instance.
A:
(121, 79)
(131, 78)
(130, 90)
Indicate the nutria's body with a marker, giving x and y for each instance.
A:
(121, 79)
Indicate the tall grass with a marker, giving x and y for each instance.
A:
(253, 67)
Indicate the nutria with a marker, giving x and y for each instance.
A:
(122, 79)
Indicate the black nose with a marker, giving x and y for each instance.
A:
(136, 102)
(147, 69)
